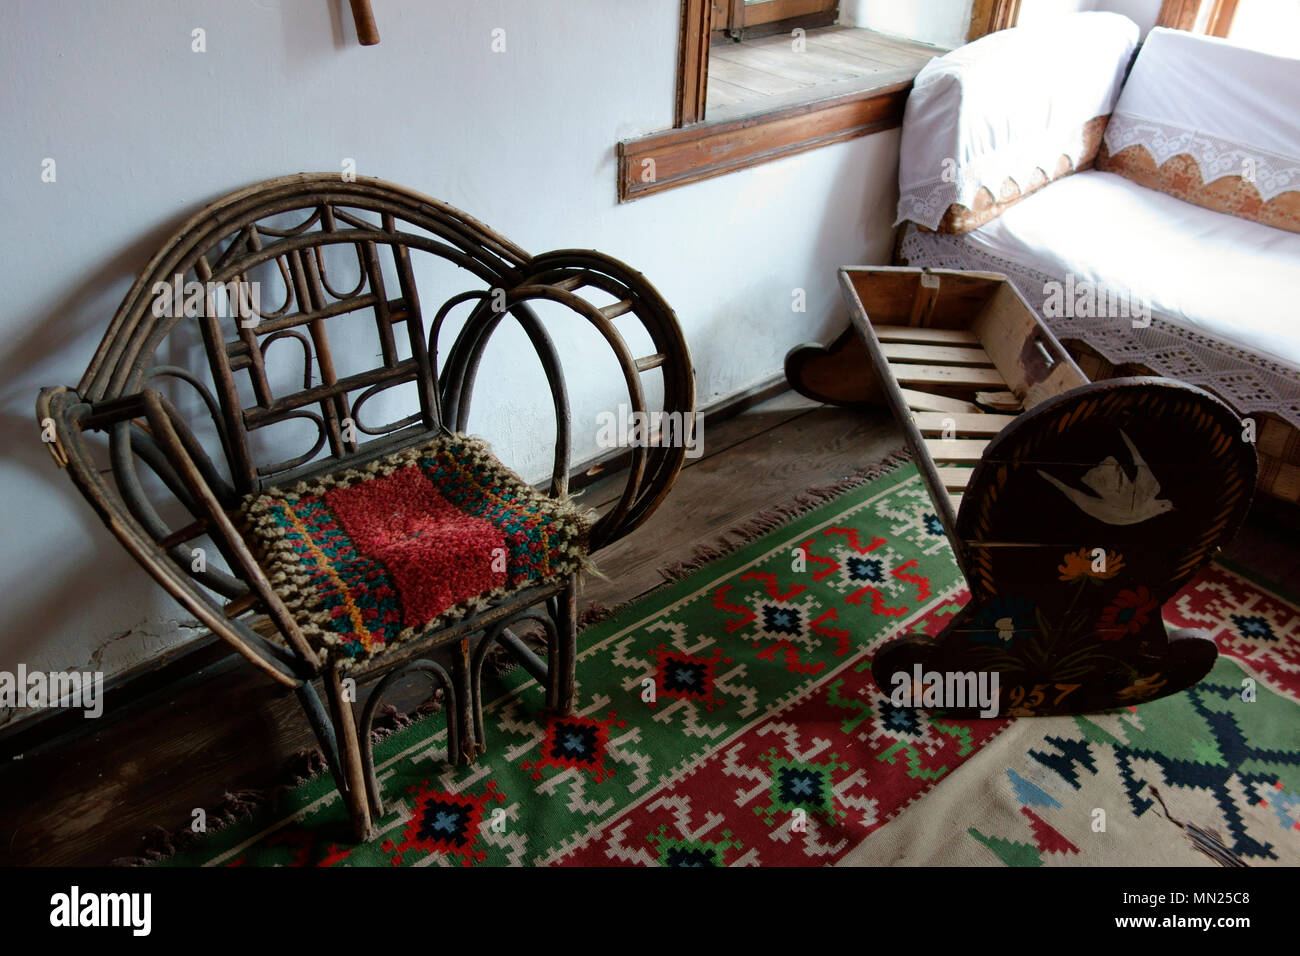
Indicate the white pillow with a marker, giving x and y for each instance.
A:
(1234, 110)
(1009, 104)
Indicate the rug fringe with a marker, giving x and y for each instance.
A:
(750, 529)
(769, 519)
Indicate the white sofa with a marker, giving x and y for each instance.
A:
(1036, 153)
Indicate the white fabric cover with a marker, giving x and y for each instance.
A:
(1006, 105)
(1221, 290)
(1232, 109)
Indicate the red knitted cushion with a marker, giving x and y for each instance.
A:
(370, 557)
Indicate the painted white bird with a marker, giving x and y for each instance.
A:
(1118, 499)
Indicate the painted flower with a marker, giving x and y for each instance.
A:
(1081, 564)
(998, 621)
(1127, 614)
(1143, 688)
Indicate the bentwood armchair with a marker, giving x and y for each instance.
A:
(369, 551)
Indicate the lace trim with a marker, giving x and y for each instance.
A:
(1246, 380)
(926, 203)
(1271, 173)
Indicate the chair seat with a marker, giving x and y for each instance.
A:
(368, 558)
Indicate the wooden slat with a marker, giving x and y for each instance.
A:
(985, 378)
(1002, 401)
(955, 499)
(935, 423)
(954, 479)
(903, 333)
(935, 354)
(650, 361)
(926, 402)
(956, 449)
(616, 309)
(571, 283)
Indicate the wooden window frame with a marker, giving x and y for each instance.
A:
(694, 150)
(1186, 14)
(1179, 14)
(990, 16)
(693, 62)
(1221, 14)
(736, 20)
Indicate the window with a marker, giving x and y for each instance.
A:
(1269, 25)
(745, 19)
(759, 80)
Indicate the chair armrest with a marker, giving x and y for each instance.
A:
(64, 419)
(567, 277)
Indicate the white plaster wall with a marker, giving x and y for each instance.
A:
(941, 22)
(144, 131)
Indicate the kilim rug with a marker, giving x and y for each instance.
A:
(730, 719)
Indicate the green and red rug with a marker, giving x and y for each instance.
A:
(730, 719)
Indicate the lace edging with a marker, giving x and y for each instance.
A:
(1271, 173)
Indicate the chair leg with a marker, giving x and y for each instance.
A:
(323, 729)
(351, 765)
(464, 748)
(562, 653)
(440, 678)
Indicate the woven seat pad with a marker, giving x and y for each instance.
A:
(370, 557)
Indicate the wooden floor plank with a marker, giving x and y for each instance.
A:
(724, 490)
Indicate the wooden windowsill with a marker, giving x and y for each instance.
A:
(766, 101)
(678, 157)
(755, 76)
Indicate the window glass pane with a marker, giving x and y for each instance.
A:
(1269, 25)
(942, 23)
